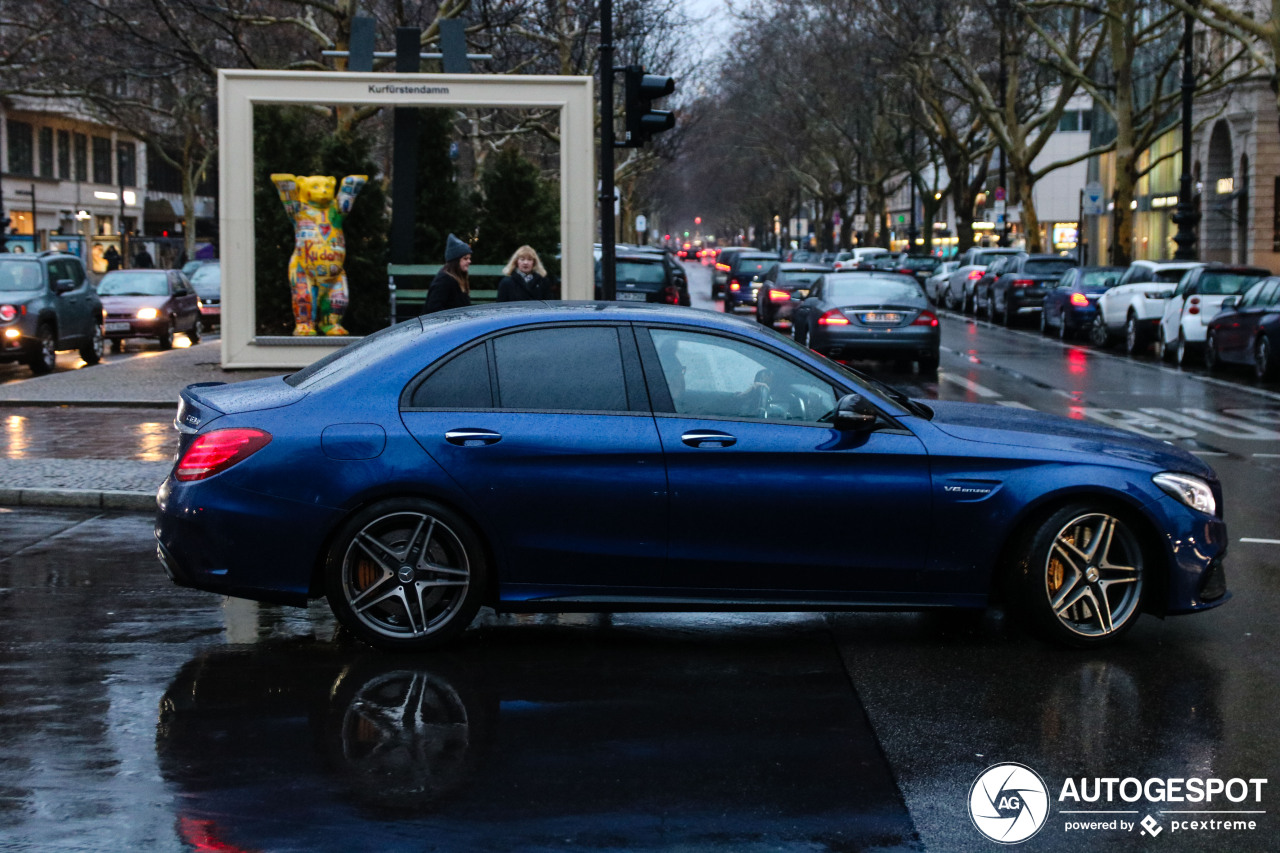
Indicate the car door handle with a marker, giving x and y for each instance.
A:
(708, 438)
(472, 437)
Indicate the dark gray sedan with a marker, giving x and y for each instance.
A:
(869, 315)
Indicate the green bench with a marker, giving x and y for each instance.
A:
(409, 301)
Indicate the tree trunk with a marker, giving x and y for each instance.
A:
(1120, 35)
(1030, 221)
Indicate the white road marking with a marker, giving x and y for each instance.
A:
(969, 384)
(1261, 541)
(1014, 404)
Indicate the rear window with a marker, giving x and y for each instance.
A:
(753, 264)
(641, 272)
(921, 264)
(1227, 284)
(800, 278)
(1048, 266)
(985, 258)
(866, 289)
(356, 355)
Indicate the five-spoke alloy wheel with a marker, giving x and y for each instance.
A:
(1081, 576)
(405, 574)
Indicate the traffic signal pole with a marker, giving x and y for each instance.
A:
(608, 254)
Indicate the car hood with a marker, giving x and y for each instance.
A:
(132, 303)
(984, 422)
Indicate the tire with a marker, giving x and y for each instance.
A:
(928, 364)
(1212, 363)
(384, 592)
(166, 337)
(1099, 336)
(1163, 351)
(1010, 318)
(194, 334)
(117, 345)
(1264, 358)
(1135, 340)
(1044, 323)
(1064, 334)
(1079, 576)
(45, 357)
(92, 352)
(949, 299)
(1182, 353)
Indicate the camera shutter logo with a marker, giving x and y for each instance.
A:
(1008, 803)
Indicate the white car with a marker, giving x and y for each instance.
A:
(1135, 305)
(933, 287)
(857, 256)
(1195, 301)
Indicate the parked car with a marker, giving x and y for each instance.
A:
(1020, 288)
(857, 255)
(920, 266)
(536, 458)
(47, 305)
(1135, 304)
(958, 293)
(742, 281)
(149, 303)
(1196, 300)
(979, 287)
(1070, 305)
(934, 285)
(207, 281)
(1247, 331)
(869, 314)
(646, 276)
(783, 287)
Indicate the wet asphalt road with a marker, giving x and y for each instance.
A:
(137, 715)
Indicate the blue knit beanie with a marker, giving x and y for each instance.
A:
(454, 249)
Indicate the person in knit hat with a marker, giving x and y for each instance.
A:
(526, 278)
(451, 288)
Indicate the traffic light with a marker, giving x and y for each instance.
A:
(643, 120)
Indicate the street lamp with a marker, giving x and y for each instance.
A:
(1186, 216)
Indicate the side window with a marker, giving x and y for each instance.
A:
(1184, 284)
(461, 383)
(1270, 296)
(711, 376)
(571, 369)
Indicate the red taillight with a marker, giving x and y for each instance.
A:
(833, 318)
(779, 296)
(217, 451)
(722, 267)
(1193, 305)
(1023, 282)
(735, 285)
(1079, 300)
(975, 274)
(7, 313)
(926, 318)
(671, 295)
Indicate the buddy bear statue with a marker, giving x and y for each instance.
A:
(316, 273)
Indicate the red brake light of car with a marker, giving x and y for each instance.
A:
(1079, 300)
(779, 296)
(975, 274)
(7, 313)
(1023, 282)
(217, 451)
(833, 318)
(926, 318)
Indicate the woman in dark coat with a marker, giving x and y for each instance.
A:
(526, 278)
(451, 288)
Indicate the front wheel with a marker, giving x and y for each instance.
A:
(1080, 576)
(92, 352)
(405, 574)
(45, 357)
(166, 336)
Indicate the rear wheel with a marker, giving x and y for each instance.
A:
(1135, 339)
(1211, 361)
(1098, 334)
(405, 574)
(92, 351)
(1080, 576)
(949, 299)
(928, 363)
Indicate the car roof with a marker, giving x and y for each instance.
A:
(797, 266)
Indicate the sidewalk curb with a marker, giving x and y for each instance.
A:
(80, 498)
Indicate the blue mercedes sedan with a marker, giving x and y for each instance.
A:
(589, 457)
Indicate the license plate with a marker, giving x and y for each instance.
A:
(117, 327)
(881, 318)
(632, 297)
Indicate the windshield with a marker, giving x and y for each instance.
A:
(1100, 278)
(19, 275)
(1227, 283)
(134, 284)
(865, 290)
(985, 258)
(1048, 266)
(921, 264)
(1173, 276)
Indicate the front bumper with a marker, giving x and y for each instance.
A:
(132, 327)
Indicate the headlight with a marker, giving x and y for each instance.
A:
(1192, 491)
(147, 313)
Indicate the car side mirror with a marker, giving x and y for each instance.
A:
(64, 285)
(855, 414)
(1110, 281)
(1230, 302)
